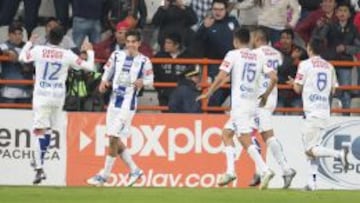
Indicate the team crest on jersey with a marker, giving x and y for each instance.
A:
(225, 64)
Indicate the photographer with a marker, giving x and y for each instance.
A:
(175, 17)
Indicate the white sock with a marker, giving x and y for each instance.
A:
(126, 157)
(277, 151)
(313, 168)
(256, 157)
(230, 159)
(35, 142)
(325, 152)
(109, 162)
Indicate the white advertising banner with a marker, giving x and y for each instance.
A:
(16, 150)
(341, 132)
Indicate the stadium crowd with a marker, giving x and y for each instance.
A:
(178, 29)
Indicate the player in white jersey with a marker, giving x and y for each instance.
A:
(245, 71)
(51, 68)
(316, 79)
(128, 71)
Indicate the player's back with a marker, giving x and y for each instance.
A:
(245, 76)
(319, 79)
(270, 58)
(51, 69)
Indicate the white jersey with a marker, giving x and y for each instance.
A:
(270, 59)
(51, 68)
(317, 76)
(122, 71)
(245, 73)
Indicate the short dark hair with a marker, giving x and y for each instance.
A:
(15, 26)
(56, 35)
(52, 19)
(288, 32)
(243, 35)
(345, 4)
(135, 33)
(262, 33)
(175, 37)
(225, 2)
(317, 45)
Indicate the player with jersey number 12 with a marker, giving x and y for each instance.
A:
(51, 69)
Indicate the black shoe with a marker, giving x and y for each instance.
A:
(256, 180)
(40, 175)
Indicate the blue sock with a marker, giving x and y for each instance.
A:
(44, 144)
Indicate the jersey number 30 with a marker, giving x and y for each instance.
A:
(51, 69)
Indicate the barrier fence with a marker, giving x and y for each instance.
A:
(204, 84)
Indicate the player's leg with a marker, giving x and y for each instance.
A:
(227, 137)
(243, 129)
(135, 171)
(256, 180)
(40, 140)
(273, 144)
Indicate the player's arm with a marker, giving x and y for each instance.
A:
(27, 53)
(334, 82)
(147, 78)
(299, 80)
(221, 78)
(272, 74)
(77, 63)
(109, 70)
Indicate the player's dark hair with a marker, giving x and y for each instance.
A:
(15, 26)
(262, 34)
(225, 2)
(52, 19)
(56, 35)
(243, 35)
(135, 33)
(316, 45)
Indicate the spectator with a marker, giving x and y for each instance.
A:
(121, 9)
(87, 20)
(248, 12)
(10, 7)
(307, 6)
(324, 15)
(201, 8)
(13, 69)
(173, 48)
(343, 41)
(292, 55)
(175, 17)
(215, 36)
(274, 17)
(52, 22)
(104, 49)
(183, 98)
(62, 12)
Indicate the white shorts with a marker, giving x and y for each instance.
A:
(263, 119)
(46, 117)
(241, 123)
(311, 132)
(118, 121)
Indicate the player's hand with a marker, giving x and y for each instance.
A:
(340, 48)
(263, 99)
(290, 81)
(33, 38)
(103, 86)
(139, 83)
(86, 46)
(201, 97)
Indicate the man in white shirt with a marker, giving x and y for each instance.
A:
(128, 71)
(316, 80)
(51, 67)
(245, 76)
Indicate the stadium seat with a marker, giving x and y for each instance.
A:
(149, 98)
(355, 103)
(40, 30)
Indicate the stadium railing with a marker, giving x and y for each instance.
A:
(204, 84)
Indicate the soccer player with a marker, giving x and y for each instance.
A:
(128, 71)
(316, 79)
(245, 71)
(51, 69)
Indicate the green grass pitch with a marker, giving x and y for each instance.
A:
(169, 195)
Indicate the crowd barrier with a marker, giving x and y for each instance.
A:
(204, 83)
